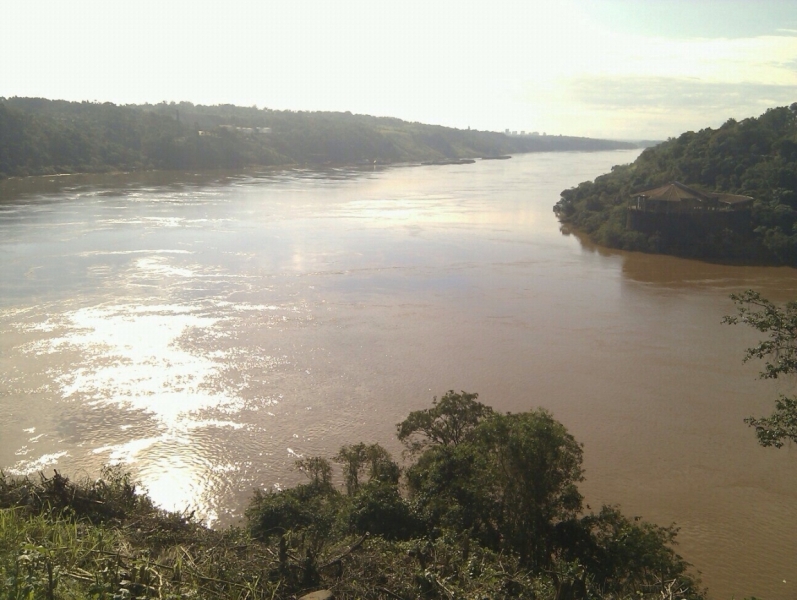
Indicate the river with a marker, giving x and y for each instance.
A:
(206, 330)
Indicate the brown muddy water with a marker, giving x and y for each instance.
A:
(208, 330)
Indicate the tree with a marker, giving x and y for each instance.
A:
(379, 509)
(779, 353)
(509, 483)
(446, 423)
(375, 458)
(317, 469)
(536, 465)
(622, 554)
(487, 489)
(353, 459)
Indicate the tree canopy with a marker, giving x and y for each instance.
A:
(482, 483)
(509, 484)
(447, 423)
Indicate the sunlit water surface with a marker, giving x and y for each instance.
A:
(208, 330)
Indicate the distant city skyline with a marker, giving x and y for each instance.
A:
(629, 69)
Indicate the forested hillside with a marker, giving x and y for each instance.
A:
(39, 136)
(755, 157)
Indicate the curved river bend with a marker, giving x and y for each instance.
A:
(207, 330)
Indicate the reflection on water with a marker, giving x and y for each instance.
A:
(776, 283)
(207, 330)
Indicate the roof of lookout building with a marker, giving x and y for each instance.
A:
(678, 192)
(732, 198)
(673, 192)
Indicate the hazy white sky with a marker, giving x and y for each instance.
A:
(611, 68)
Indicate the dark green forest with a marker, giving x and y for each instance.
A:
(44, 137)
(754, 157)
(488, 507)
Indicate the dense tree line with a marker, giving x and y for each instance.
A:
(755, 157)
(480, 484)
(39, 136)
(488, 507)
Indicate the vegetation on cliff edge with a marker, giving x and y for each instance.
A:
(488, 508)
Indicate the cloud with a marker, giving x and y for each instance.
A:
(691, 19)
(673, 93)
(649, 107)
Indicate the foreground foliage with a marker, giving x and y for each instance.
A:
(489, 509)
(102, 539)
(779, 353)
(754, 157)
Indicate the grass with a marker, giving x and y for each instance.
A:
(103, 540)
(98, 540)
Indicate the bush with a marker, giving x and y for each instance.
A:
(379, 509)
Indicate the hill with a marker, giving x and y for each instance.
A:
(755, 157)
(40, 137)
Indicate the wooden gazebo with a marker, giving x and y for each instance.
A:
(676, 197)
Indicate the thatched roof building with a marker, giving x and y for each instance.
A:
(677, 197)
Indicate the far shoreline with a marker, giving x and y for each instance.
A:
(305, 165)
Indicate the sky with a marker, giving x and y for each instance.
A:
(626, 69)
